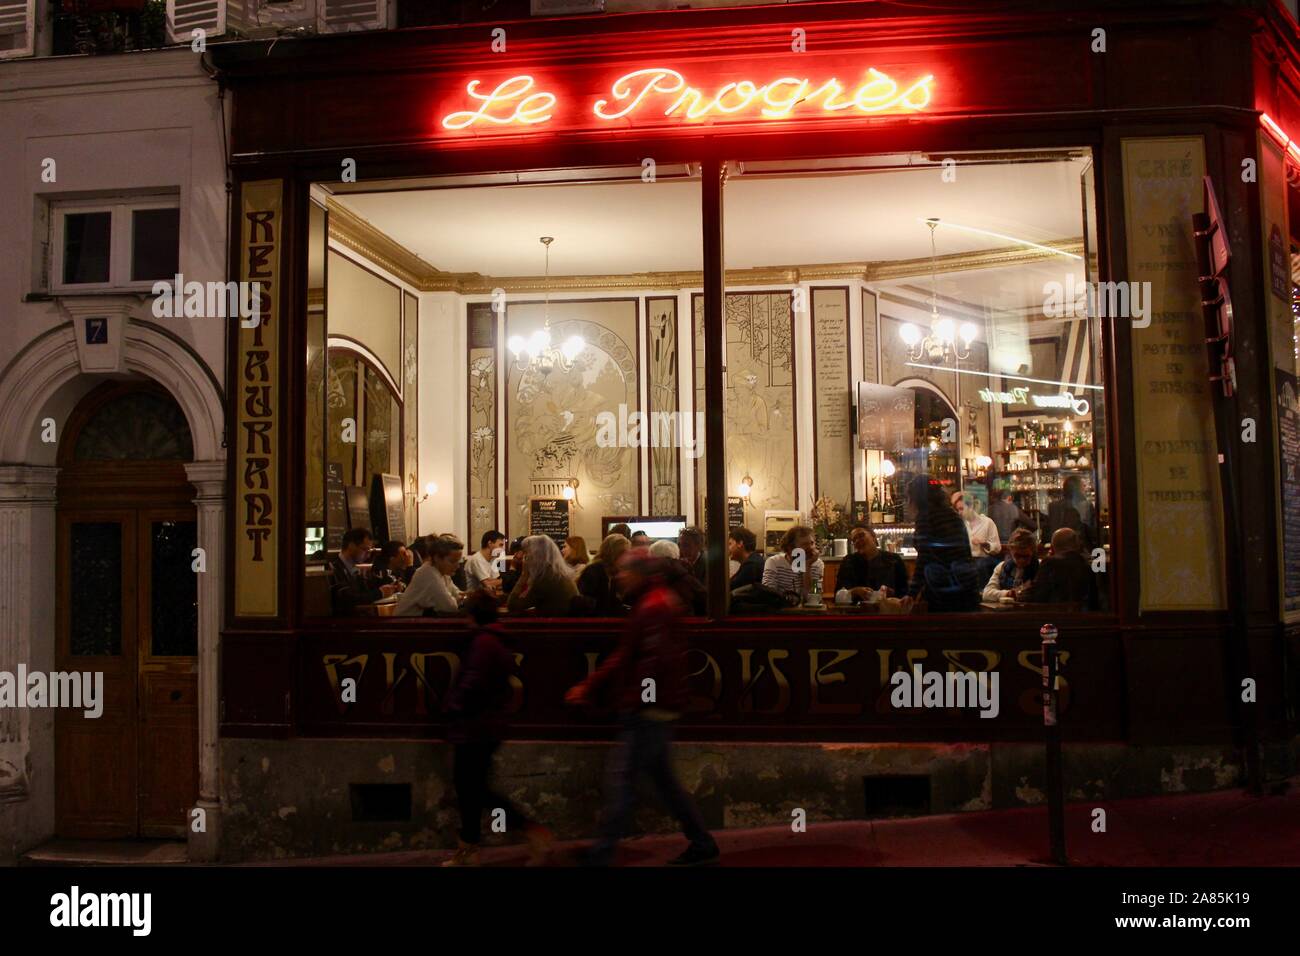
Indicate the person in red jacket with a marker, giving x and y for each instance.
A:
(646, 677)
(477, 707)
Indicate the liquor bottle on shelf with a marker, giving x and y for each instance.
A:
(876, 516)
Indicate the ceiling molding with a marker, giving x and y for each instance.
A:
(352, 232)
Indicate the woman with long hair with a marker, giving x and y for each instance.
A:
(544, 585)
(575, 555)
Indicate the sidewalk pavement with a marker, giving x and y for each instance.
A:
(1222, 828)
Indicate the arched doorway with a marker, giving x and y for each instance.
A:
(126, 597)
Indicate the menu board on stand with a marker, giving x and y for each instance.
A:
(549, 516)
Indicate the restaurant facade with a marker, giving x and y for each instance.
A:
(818, 249)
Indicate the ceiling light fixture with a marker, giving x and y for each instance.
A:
(537, 353)
(942, 339)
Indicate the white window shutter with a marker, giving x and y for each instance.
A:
(17, 28)
(340, 16)
(186, 16)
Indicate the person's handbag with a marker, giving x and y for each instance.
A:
(755, 598)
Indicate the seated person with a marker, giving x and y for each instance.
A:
(479, 571)
(596, 588)
(460, 579)
(869, 569)
(419, 549)
(690, 541)
(389, 566)
(742, 547)
(432, 590)
(679, 577)
(641, 540)
(347, 586)
(621, 528)
(514, 567)
(575, 554)
(780, 574)
(1065, 577)
(544, 585)
(1012, 576)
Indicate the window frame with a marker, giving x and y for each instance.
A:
(120, 261)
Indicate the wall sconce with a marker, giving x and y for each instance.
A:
(983, 461)
(570, 492)
(887, 467)
(429, 490)
(746, 486)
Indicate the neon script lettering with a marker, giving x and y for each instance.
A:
(499, 107)
(878, 93)
(514, 101)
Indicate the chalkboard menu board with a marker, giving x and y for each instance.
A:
(388, 508)
(1288, 427)
(735, 512)
(886, 417)
(549, 516)
(336, 507)
(358, 507)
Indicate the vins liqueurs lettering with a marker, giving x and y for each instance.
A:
(659, 91)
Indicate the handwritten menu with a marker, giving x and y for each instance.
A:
(1180, 541)
(832, 395)
(549, 516)
(358, 507)
(336, 507)
(1288, 427)
(886, 417)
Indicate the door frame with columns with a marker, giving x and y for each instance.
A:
(38, 388)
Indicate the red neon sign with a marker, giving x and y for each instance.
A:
(656, 92)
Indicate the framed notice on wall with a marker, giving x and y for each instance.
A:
(336, 507)
(886, 417)
(1288, 446)
(387, 508)
(549, 516)
(775, 525)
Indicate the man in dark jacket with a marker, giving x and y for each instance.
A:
(742, 547)
(1065, 577)
(477, 706)
(348, 587)
(646, 676)
(869, 569)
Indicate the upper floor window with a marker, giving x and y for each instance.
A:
(114, 244)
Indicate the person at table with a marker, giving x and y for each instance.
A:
(575, 555)
(621, 528)
(690, 542)
(545, 585)
(1012, 576)
(868, 569)
(742, 547)
(432, 590)
(796, 577)
(945, 576)
(389, 566)
(348, 587)
(459, 578)
(479, 571)
(679, 577)
(419, 549)
(1006, 515)
(596, 588)
(1065, 577)
(640, 539)
(514, 566)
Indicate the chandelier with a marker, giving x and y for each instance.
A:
(942, 340)
(537, 352)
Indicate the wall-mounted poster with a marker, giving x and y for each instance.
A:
(832, 394)
(775, 525)
(886, 417)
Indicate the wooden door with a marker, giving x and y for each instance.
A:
(97, 605)
(128, 607)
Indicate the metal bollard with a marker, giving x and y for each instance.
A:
(1052, 732)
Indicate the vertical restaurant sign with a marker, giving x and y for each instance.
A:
(257, 430)
(1180, 538)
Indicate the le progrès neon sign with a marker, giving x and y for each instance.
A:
(659, 94)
